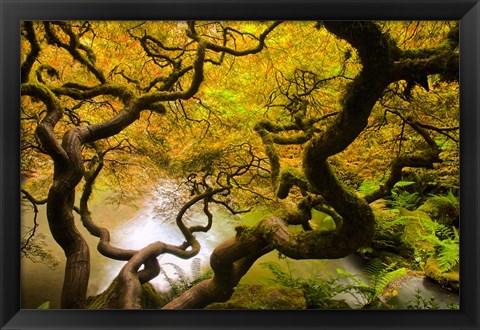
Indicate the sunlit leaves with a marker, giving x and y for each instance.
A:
(299, 59)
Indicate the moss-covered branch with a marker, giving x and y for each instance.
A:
(73, 47)
(35, 49)
(223, 49)
(289, 178)
(421, 159)
(153, 97)
(232, 258)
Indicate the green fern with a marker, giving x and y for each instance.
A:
(447, 245)
(448, 256)
(405, 199)
(196, 267)
(419, 302)
(445, 232)
(201, 277)
(446, 200)
(368, 186)
(373, 268)
(447, 207)
(379, 278)
(388, 232)
(448, 250)
(386, 278)
(444, 239)
(280, 276)
(317, 291)
(402, 184)
(182, 277)
(182, 282)
(174, 287)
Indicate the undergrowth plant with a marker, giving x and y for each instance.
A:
(181, 282)
(405, 199)
(419, 302)
(447, 245)
(379, 277)
(410, 194)
(444, 239)
(448, 200)
(318, 292)
(388, 232)
(368, 186)
(448, 207)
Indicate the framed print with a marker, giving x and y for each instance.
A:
(240, 164)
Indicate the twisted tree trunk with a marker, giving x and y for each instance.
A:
(382, 63)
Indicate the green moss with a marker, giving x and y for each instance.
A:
(105, 300)
(108, 299)
(151, 299)
(288, 178)
(449, 280)
(443, 209)
(263, 297)
(244, 232)
(390, 258)
(415, 231)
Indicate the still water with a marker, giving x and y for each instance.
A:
(153, 220)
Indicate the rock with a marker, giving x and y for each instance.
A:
(263, 297)
(449, 280)
(442, 209)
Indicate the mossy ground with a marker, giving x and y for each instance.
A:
(263, 297)
(449, 280)
(108, 299)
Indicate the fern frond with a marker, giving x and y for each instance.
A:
(280, 276)
(448, 256)
(373, 267)
(355, 278)
(447, 200)
(196, 267)
(402, 183)
(388, 277)
(445, 232)
(368, 186)
(179, 272)
(170, 281)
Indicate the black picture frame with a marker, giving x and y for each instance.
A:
(14, 11)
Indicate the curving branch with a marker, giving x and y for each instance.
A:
(423, 159)
(69, 167)
(31, 233)
(130, 277)
(229, 261)
(192, 33)
(232, 258)
(153, 97)
(35, 49)
(73, 47)
(382, 63)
